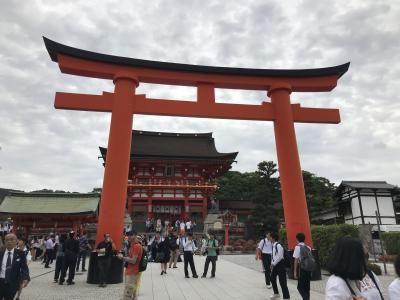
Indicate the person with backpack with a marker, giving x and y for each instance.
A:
(173, 243)
(304, 264)
(134, 261)
(264, 251)
(278, 268)
(212, 256)
(350, 277)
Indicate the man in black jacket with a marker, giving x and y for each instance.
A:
(173, 244)
(105, 250)
(71, 249)
(14, 272)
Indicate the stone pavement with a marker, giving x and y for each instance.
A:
(237, 277)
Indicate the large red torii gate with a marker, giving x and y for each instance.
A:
(127, 73)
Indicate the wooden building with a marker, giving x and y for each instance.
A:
(41, 213)
(172, 175)
(358, 201)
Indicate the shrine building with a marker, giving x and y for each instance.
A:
(39, 213)
(172, 175)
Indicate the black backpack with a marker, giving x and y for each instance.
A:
(287, 260)
(307, 261)
(143, 261)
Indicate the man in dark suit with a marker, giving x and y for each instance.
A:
(14, 272)
(71, 248)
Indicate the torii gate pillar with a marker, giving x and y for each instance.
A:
(113, 197)
(292, 187)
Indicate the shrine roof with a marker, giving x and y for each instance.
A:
(168, 145)
(50, 203)
(54, 49)
(368, 185)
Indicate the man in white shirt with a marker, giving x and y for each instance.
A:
(189, 248)
(188, 226)
(265, 253)
(303, 276)
(278, 268)
(49, 250)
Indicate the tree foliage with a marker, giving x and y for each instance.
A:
(319, 193)
(262, 187)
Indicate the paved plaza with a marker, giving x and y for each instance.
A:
(237, 277)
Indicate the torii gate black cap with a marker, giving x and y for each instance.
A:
(54, 48)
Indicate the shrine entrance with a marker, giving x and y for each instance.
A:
(128, 73)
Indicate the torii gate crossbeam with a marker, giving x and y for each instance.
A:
(127, 73)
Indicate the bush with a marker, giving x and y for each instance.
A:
(392, 242)
(250, 243)
(324, 238)
(248, 247)
(375, 268)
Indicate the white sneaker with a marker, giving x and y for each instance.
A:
(275, 296)
(269, 286)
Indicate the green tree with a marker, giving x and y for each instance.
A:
(319, 193)
(267, 197)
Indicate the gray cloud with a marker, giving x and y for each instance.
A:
(43, 147)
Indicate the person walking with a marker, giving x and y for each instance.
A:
(278, 268)
(211, 249)
(22, 245)
(394, 287)
(104, 251)
(84, 248)
(70, 256)
(350, 278)
(173, 243)
(14, 271)
(49, 250)
(189, 248)
(303, 276)
(264, 251)
(60, 257)
(162, 253)
(132, 270)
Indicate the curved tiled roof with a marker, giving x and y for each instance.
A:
(148, 144)
(50, 203)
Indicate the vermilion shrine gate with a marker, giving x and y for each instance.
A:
(127, 73)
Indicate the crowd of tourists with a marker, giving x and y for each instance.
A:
(350, 277)
(164, 226)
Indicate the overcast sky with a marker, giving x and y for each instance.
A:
(42, 147)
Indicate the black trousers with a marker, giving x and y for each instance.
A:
(69, 264)
(213, 260)
(266, 260)
(279, 270)
(48, 255)
(103, 265)
(59, 266)
(6, 291)
(82, 255)
(188, 259)
(303, 284)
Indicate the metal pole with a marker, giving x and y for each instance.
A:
(372, 240)
(378, 217)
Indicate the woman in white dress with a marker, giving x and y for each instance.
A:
(351, 279)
